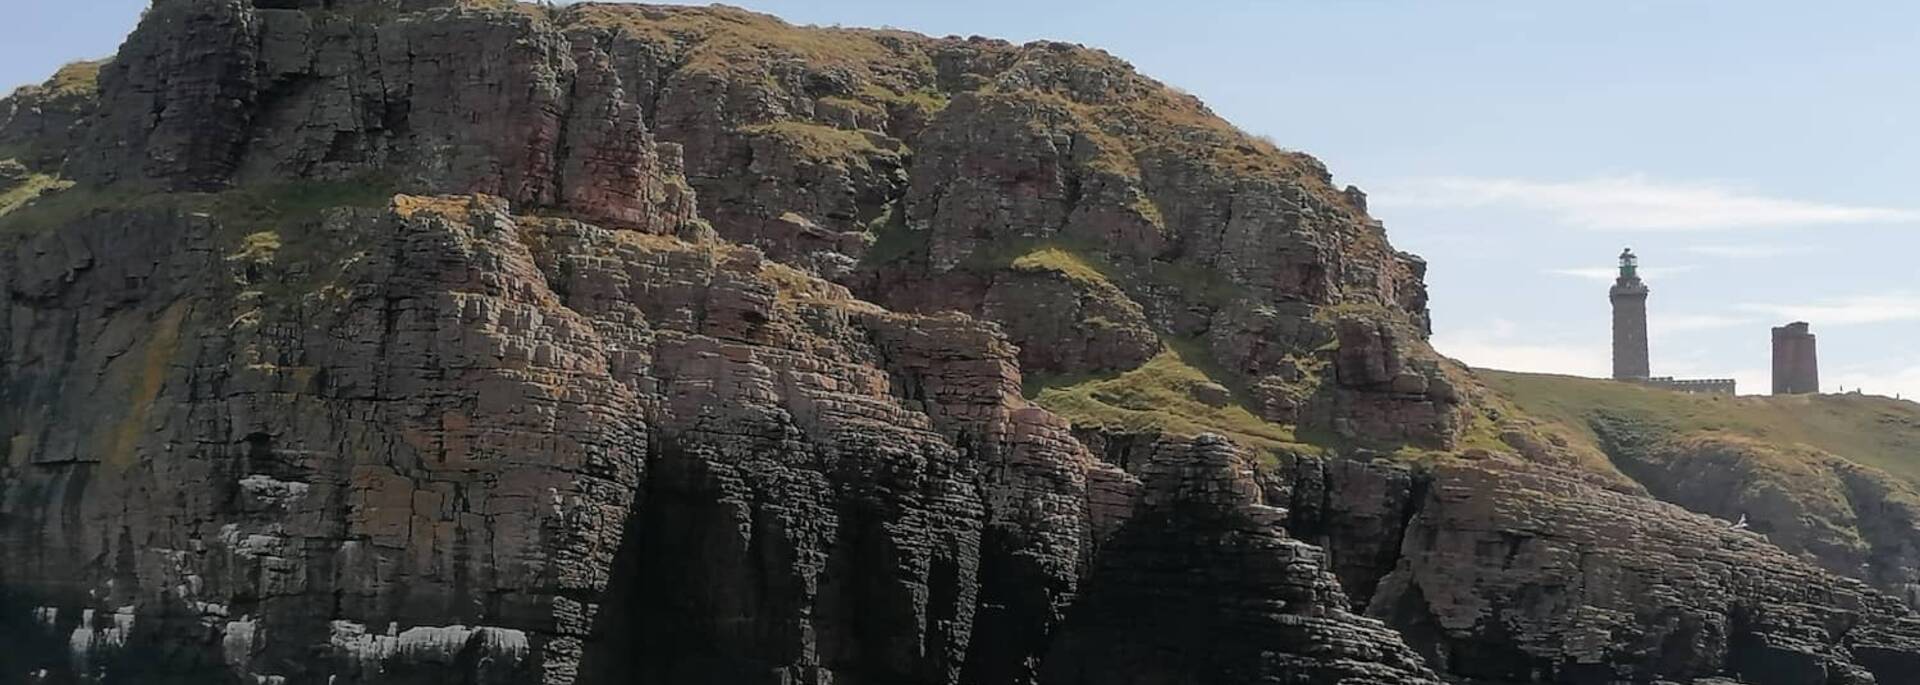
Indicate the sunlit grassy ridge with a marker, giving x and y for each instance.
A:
(728, 38)
(71, 80)
(822, 143)
(1063, 262)
(1126, 113)
(1177, 393)
(75, 79)
(1162, 396)
(1880, 432)
(1180, 392)
(26, 190)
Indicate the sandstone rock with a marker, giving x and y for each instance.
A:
(1370, 354)
(39, 124)
(683, 461)
(1356, 511)
(256, 94)
(1212, 394)
(560, 418)
(1202, 585)
(1066, 324)
(1513, 572)
(1850, 519)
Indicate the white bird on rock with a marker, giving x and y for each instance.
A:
(1739, 525)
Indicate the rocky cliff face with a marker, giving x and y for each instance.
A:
(1830, 478)
(408, 342)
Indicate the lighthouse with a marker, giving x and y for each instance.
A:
(1629, 297)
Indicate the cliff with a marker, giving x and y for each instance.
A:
(416, 341)
(1830, 477)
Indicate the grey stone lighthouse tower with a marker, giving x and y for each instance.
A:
(1629, 297)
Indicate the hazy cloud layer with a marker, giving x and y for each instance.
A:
(1758, 251)
(1859, 309)
(1500, 344)
(1667, 324)
(1633, 203)
(1901, 382)
(1533, 358)
(1608, 273)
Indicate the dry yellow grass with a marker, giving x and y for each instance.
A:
(28, 190)
(75, 79)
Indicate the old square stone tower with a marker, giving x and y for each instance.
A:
(1796, 366)
(1629, 297)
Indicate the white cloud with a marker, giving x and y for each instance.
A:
(1903, 383)
(1634, 203)
(1752, 381)
(1664, 324)
(1859, 309)
(1749, 251)
(1608, 273)
(1497, 352)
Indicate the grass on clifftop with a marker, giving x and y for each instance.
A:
(71, 80)
(728, 38)
(75, 78)
(1874, 431)
(1128, 113)
(1162, 396)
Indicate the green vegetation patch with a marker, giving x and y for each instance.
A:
(1151, 120)
(1087, 265)
(868, 109)
(75, 79)
(820, 142)
(720, 38)
(72, 81)
(893, 239)
(260, 246)
(926, 100)
(1062, 262)
(279, 202)
(51, 204)
(1166, 395)
(1879, 432)
(54, 203)
(15, 195)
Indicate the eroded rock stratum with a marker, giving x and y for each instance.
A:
(436, 342)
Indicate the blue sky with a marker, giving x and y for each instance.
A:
(1760, 156)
